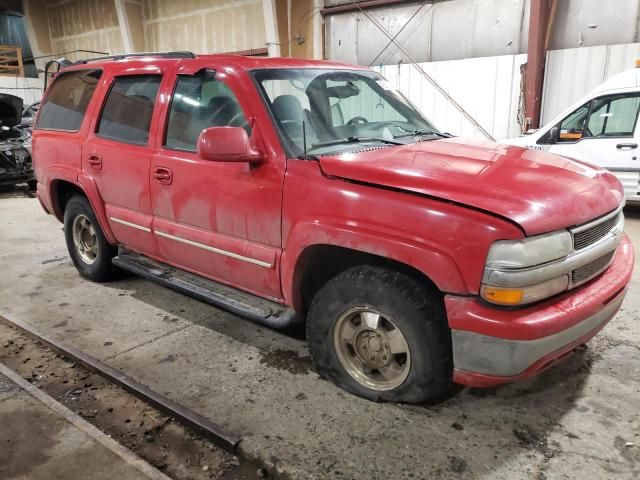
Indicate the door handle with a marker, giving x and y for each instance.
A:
(626, 146)
(95, 161)
(163, 175)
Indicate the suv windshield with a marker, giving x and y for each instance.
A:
(333, 111)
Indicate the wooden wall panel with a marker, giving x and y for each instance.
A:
(204, 26)
(83, 25)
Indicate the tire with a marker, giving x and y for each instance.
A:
(91, 254)
(422, 374)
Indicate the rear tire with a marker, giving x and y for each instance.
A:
(89, 250)
(381, 335)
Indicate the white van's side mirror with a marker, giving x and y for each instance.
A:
(554, 133)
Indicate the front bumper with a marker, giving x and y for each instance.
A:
(493, 346)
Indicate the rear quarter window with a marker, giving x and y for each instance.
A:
(66, 102)
(127, 111)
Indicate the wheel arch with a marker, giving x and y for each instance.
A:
(307, 267)
(61, 190)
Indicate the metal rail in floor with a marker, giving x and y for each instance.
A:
(225, 439)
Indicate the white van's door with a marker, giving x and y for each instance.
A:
(604, 131)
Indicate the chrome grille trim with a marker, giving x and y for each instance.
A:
(590, 270)
(589, 233)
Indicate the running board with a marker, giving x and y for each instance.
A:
(228, 298)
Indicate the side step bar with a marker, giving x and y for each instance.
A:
(228, 298)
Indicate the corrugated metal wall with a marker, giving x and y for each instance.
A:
(439, 31)
(456, 29)
(488, 88)
(572, 73)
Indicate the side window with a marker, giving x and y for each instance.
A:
(67, 100)
(613, 116)
(571, 128)
(126, 114)
(201, 101)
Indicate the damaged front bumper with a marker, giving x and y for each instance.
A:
(493, 346)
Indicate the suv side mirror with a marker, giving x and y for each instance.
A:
(227, 144)
(554, 133)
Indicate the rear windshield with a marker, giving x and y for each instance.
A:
(67, 100)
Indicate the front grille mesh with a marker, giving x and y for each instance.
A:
(591, 269)
(592, 235)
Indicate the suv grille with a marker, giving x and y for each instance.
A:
(592, 235)
(589, 270)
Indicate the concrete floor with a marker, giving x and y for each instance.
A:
(39, 443)
(580, 417)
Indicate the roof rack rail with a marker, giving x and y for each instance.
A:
(122, 56)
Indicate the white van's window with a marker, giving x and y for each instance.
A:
(613, 117)
(572, 126)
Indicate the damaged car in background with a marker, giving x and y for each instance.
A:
(15, 144)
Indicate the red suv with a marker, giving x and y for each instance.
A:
(286, 190)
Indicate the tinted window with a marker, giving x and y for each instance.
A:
(201, 101)
(67, 100)
(126, 114)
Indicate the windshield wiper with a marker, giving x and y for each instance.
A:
(421, 132)
(342, 141)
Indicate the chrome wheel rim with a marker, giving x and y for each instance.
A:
(85, 239)
(371, 348)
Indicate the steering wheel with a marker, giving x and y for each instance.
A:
(357, 121)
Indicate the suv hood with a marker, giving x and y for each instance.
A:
(10, 110)
(539, 191)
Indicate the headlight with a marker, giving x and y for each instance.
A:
(508, 256)
(530, 251)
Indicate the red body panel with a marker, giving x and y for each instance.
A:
(234, 207)
(549, 317)
(535, 189)
(421, 232)
(436, 206)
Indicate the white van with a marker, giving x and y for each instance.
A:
(601, 128)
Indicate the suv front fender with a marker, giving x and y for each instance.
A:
(438, 266)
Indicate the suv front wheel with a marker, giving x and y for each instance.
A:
(381, 335)
(89, 250)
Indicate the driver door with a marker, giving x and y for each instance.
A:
(602, 132)
(220, 220)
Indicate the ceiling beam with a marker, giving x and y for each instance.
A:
(363, 5)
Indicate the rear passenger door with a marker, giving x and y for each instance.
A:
(221, 220)
(118, 152)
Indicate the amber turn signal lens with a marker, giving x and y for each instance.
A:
(503, 296)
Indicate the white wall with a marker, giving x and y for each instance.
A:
(488, 88)
(29, 89)
(572, 73)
